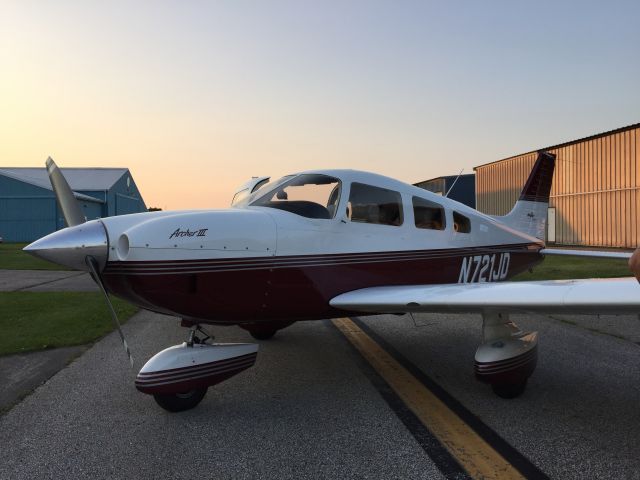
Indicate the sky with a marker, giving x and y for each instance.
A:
(195, 97)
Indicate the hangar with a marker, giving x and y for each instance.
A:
(595, 195)
(28, 208)
(461, 188)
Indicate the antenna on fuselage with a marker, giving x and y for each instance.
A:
(454, 182)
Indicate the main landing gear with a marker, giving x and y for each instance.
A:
(507, 357)
(178, 377)
(263, 334)
(264, 330)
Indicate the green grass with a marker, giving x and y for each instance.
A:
(555, 267)
(13, 258)
(39, 320)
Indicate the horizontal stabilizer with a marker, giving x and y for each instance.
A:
(586, 253)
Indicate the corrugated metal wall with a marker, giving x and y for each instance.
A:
(595, 189)
(28, 212)
(126, 204)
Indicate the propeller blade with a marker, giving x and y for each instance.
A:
(68, 204)
(92, 263)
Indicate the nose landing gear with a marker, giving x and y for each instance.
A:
(178, 402)
(178, 377)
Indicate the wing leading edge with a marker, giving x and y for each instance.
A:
(591, 296)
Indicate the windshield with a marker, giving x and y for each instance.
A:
(309, 195)
(266, 188)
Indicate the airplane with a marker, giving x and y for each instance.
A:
(324, 244)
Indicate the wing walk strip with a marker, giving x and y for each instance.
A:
(470, 450)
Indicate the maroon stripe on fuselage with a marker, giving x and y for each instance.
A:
(232, 291)
(251, 263)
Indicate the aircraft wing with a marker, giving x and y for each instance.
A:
(591, 296)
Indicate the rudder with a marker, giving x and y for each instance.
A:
(529, 214)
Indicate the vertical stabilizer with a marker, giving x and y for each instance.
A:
(529, 215)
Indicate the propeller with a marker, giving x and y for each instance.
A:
(92, 263)
(66, 199)
(73, 216)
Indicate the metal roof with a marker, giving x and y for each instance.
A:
(446, 177)
(566, 144)
(78, 178)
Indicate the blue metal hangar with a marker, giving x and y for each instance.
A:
(461, 188)
(28, 208)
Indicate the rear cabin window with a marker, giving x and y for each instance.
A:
(427, 214)
(368, 204)
(461, 224)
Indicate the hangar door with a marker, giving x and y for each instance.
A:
(24, 219)
(551, 225)
(126, 204)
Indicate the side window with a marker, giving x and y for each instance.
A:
(461, 224)
(368, 204)
(428, 214)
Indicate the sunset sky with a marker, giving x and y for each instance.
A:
(195, 97)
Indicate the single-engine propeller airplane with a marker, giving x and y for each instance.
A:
(324, 244)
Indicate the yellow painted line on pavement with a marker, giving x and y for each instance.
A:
(476, 456)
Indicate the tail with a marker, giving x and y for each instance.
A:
(529, 215)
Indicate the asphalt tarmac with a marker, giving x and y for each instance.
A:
(305, 410)
(312, 408)
(580, 415)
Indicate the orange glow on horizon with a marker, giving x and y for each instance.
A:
(195, 98)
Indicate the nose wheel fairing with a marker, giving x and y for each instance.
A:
(184, 368)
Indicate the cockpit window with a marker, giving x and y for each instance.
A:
(260, 192)
(428, 214)
(369, 204)
(310, 195)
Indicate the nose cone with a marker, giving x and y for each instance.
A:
(70, 246)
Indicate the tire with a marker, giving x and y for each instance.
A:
(509, 390)
(262, 334)
(179, 402)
